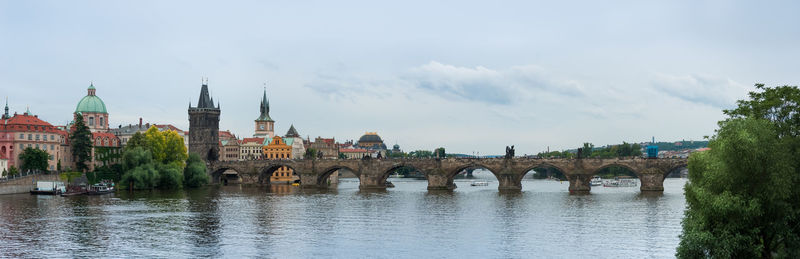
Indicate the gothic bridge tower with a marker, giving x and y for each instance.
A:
(204, 126)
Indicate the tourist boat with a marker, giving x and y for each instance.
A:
(596, 181)
(479, 183)
(48, 188)
(625, 182)
(389, 184)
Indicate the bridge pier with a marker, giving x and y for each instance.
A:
(371, 181)
(579, 183)
(652, 180)
(438, 180)
(509, 181)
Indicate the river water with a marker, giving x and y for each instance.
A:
(542, 221)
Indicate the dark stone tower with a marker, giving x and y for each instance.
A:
(204, 127)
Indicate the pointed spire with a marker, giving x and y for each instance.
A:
(28, 110)
(292, 133)
(205, 100)
(5, 115)
(264, 107)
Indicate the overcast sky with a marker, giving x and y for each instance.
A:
(469, 76)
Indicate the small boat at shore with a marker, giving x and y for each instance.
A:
(101, 188)
(389, 184)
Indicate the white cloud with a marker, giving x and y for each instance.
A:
(701, 89)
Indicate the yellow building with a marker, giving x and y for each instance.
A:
(277, 148)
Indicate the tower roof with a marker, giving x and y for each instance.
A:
(205, 99)
(292, 133)
(264, 108)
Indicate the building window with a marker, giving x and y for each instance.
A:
(37, 137)
(30, 136)
(52, 147)
(37, 145)
(21, 136)
(52, 137)
(101, 121)
(91, 121)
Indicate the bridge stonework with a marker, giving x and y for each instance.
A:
(372, 173)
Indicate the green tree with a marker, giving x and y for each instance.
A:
(738, 193)
(137, 140)
(33, 159)
(140, 171)
(342, 156)
(174, 149)
(170, 176)
(58, 166)
(13, 170)
(156, 144)
(747, 181)
(81, 143)
(195, 174)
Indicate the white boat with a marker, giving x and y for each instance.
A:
(479, 183)
(621, 183)
(596, 181)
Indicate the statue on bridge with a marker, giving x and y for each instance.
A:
(509, 152)
(319, 154)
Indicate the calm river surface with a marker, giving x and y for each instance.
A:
(542, 221)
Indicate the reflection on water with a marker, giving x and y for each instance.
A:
(284, 221)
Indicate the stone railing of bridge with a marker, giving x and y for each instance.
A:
(372, 173)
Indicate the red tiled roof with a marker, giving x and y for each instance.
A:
(353, 150)
(105, 135)
(226, 135)
(24, 122)
(248, 140)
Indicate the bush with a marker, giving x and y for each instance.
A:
(195, 174)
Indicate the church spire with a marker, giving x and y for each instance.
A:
(5, 115)
(264, 108)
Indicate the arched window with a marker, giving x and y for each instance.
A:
(91, 121)
(101, 121)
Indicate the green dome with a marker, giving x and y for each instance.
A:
(91, 103)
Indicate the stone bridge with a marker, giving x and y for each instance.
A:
(372, 173)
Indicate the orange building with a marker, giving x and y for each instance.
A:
(277, 148)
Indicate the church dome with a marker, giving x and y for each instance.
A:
(370, 137)
(91, 103)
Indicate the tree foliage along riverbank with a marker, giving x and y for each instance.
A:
(742, 200)
(158, 159)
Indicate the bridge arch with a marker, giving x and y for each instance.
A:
(452, 174)
(322, 178)
(635, 171)
(387, 171)
(226, 174)
(543, 165)
(266, 172)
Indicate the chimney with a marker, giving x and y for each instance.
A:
(140, 122)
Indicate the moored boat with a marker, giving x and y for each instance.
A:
(596, 181)
(479, 183)
(48, 188)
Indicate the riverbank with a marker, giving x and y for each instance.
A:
(25, 184)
